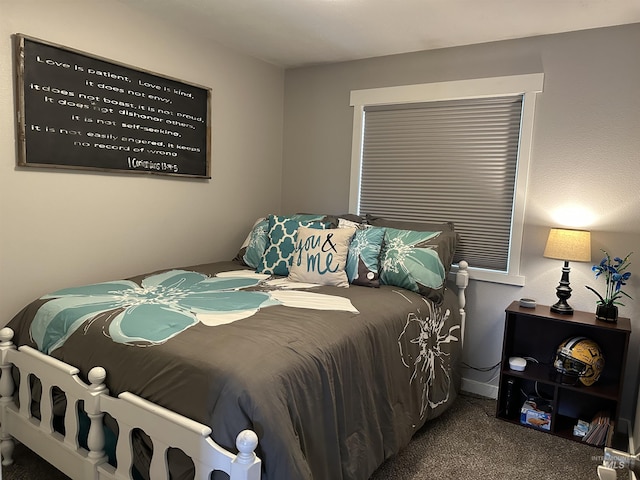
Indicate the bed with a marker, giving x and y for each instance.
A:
(276, 365)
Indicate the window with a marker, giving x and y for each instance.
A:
(452, 151)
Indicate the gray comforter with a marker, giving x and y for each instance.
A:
(330, 393)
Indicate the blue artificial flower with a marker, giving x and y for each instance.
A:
(615, 277)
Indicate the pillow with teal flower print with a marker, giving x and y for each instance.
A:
(255, 244)
(412, 260)
(281, 241)
(320, 256)
(364, 253)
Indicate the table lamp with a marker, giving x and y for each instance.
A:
(570, 246)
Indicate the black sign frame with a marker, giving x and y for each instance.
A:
(80, 111)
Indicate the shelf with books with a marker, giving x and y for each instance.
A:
(535, 334)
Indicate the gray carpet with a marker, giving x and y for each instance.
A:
(467, 442)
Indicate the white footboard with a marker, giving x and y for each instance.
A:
(165, 428)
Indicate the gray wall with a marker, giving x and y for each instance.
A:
(585, 154)
(63, 228)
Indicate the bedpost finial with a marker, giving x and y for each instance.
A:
(246, 442)
(6, 335)
(462, 275)
(97, 376)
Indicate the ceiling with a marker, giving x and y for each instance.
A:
(293, 33)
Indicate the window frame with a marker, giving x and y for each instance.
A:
(528, 85)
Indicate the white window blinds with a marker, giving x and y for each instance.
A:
(446, 161)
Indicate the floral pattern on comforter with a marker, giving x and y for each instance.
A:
(163, 305)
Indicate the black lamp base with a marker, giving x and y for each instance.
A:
(562, 307)
(563, 292)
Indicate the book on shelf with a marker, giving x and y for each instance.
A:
(612, 429)
(600, 430)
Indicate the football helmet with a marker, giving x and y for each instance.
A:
(579, 358)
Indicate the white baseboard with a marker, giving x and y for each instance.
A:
(478, 388)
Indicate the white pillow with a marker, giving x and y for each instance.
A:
(320, 256)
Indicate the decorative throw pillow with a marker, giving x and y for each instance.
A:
(255, 244)
(281, 241)
(449, 237)
(413, 260)
(321, 256)
(364, 253)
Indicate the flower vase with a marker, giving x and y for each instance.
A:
(607, 312)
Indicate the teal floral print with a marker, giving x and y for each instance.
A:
(409, 260)
(161, 307)
(257, 243)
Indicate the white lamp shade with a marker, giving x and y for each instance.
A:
(568, 245)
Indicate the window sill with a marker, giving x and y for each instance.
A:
(490, 276)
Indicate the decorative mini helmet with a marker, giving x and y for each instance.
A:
(580, 358)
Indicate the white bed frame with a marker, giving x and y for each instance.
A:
(165, 428)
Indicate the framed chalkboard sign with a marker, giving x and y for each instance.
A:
(80, 111)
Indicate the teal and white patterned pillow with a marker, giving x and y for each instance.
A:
(364, 253)
(282, 234)
(255, 244)
(321, 256)
(413, 260)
